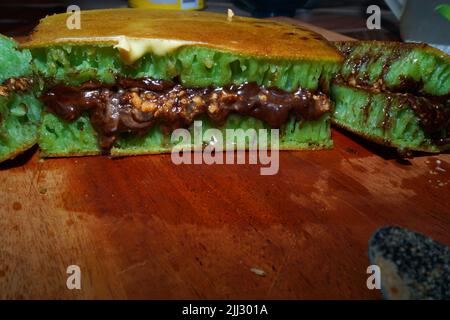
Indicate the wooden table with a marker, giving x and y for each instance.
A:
(142, 227)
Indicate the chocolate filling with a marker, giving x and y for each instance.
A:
(434, 115)
(135, 105)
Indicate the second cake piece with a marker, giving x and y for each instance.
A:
(394, 93)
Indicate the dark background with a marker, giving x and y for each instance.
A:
(17, 18)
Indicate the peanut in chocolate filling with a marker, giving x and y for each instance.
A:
(135, 105)
(15, 84)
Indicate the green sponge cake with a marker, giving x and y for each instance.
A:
(392, 119)
(396, 94)
(19, 109)
(397, 67)
(128, 77)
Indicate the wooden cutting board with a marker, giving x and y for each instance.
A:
(142, 227)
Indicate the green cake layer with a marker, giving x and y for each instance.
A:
(381, 117)
(59, 137)
(374, 89)
(394, 66)
(193, 67)
(13, 62)
(20, 114)
(19, 111)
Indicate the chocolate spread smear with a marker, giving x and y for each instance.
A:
(135, 105)
(433, 114)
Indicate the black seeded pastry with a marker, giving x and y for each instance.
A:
(413, 266)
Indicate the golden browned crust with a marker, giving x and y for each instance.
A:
(19, 150)
(43, 154)
(246, 36)
(120, 153)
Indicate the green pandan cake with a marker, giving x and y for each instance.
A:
(396, 94)
(19, 108)
(128, 78)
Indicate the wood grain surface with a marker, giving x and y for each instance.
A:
(142, 227)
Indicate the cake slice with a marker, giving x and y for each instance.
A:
(129, 77)
(397, 94)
